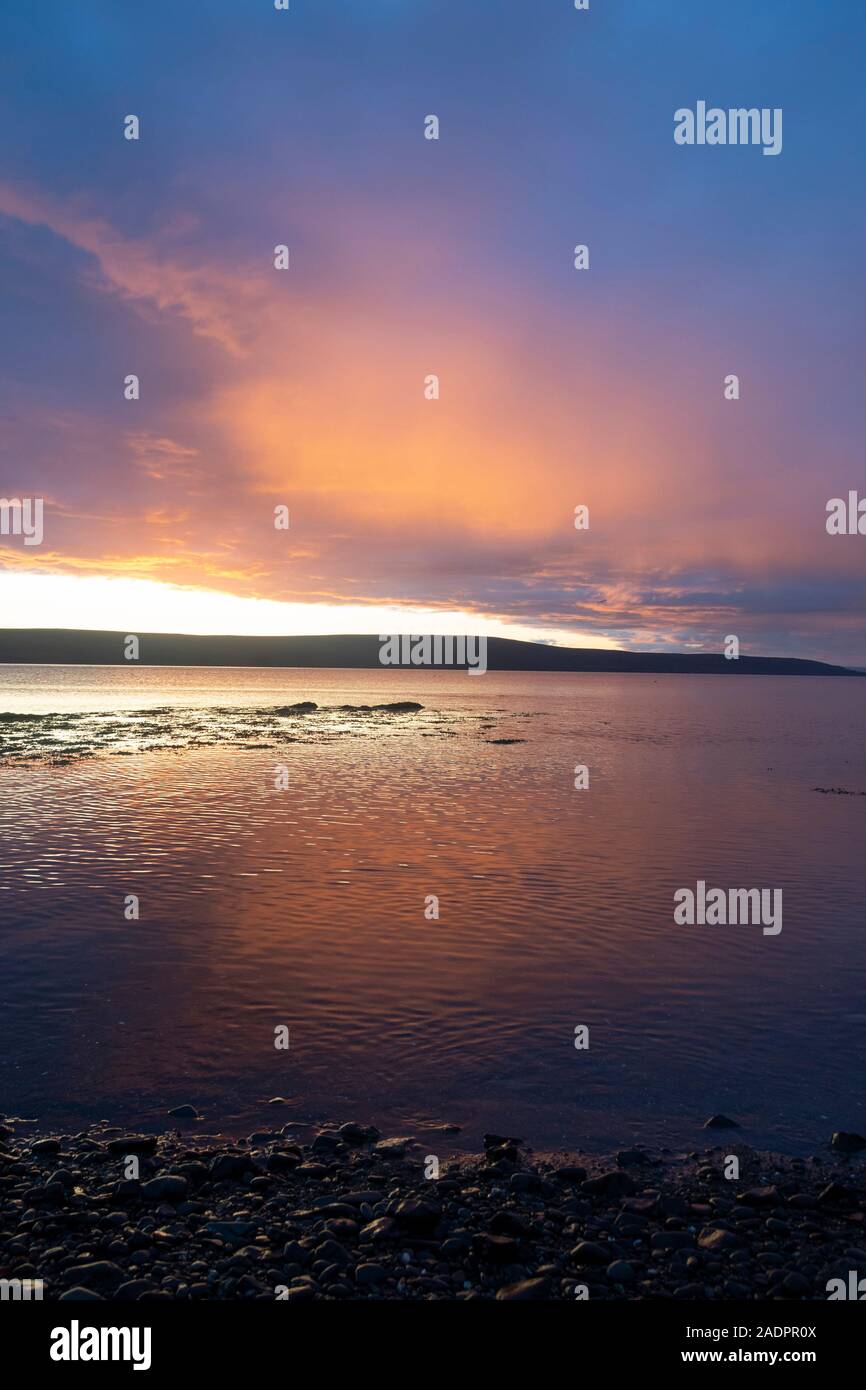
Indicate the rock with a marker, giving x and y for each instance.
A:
(302, 707)
(333, 1252)
(133, 1289)
(342, 1229)
(295, 1253)
(761, 1197)
(132, 1144)
(63, 1177)
(588, 1253)
(230, 1167)
(672, 1240)
(524, 1182)
(99, 1272)
(720, 1122)
(80, 1295)
(778, 1228)
(355, 1135)
(185, 1112)
(51, 1192)
(612, 1184)
(795, 1286)
(194, 1172)
(171, 1187)
(392, 1148)
(501, 1250)
(383, 1228)
(506, 1223)
(283, 1162)
(213, 1220)
(524, 1291)
(235, 1232)
(836, 1192)
(733, 1289)
(715, 1239)
(643, 1207)
(629, 1226)
(499, 1141)
(417, 1215)
(45, 1146)
(847, 1143)
(327, 1141)
(570, 1172)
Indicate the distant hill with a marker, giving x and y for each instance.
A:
(70, 647)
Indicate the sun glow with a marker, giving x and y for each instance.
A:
(144, 605)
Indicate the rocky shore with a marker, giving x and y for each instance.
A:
(350, 1215)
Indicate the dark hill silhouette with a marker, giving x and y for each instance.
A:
(72, 647)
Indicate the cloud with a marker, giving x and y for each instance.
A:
(147, 278)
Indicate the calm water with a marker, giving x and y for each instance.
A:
(305, 906)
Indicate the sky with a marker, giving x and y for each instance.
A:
(305, 388)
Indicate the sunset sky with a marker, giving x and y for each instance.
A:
(411, 257)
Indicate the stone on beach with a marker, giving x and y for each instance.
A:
(133, 1144)
(356, 1218)
(524, 1291)
(170, 1187)
(847, 1143)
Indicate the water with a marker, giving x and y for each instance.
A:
(305, 907)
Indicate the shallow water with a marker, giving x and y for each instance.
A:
(306, 906)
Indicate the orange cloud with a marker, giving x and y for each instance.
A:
(216, 304)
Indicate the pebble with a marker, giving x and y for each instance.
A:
(170, 1187)
(523, 1291)
(847, 1143)
(715, 1238)
(588, 1253)
(351, 1216)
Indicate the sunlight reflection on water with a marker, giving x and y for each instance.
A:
(306, 906)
